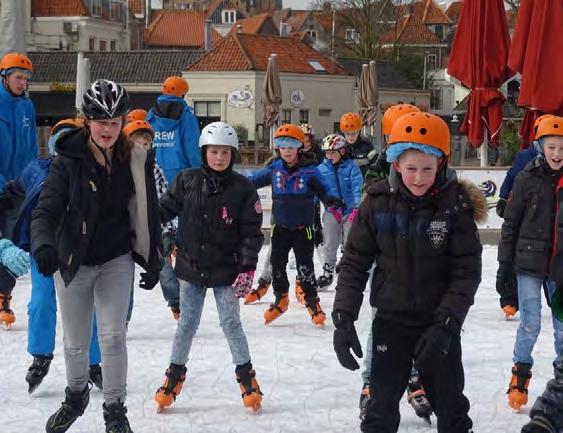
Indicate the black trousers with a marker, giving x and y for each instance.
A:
(393, 352)
(303, 245)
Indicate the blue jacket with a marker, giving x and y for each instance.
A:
(176, 138)
(18, 136)
(344, 181)
(523, 157)
(293, 191)
(30, 181)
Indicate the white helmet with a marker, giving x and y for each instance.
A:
(220, 134)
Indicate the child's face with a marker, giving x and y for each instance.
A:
(351, 137)
(142, 139)
(418, 171)
(17, 82)
(334, 156)
(289, 155)
(106, 132)
(218, 157)
(308, 143)
(553, 152)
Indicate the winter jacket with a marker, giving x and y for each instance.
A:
(528, 230)
(18, 136)
(161, 188)
(556, 269)
(344, 181)
(550, 404)
(219, 225)
(69, 207)
(176, 135)
(359, 151)
(293, 190)
(378, 169)
(523, 157)
(427, 251)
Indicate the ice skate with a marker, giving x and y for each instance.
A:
(326, 278)
(167, 393)
(416, 396)
(37, 371)
(7, 316)
(518, 387)
(364, 400)
(175, 308)
(509, 311)
(277, 308)
(74, 405)
(257, 293)
(318, 316)
(299, 293)
(250, 391)
(116, 419)
(95, 374)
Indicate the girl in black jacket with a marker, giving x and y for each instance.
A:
(96, 214)
(419, 227)
(525, 249)
(218, 240)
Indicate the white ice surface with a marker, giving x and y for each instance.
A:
(305, 389)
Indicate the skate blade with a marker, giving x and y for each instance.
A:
(515, 407)
(160, 409)
(6, 326)
(427, 419)
(32, 387)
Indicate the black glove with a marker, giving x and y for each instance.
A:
(501, 205)
(148, 280)
(434, 344)
(506, 285)
(344, 339)
(168, 242)
(6, 202)
(47, 260)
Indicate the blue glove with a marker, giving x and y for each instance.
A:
(16, 260)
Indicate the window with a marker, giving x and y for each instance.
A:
(92, 44)
(207, 112)
(115, 9)
(312, 34)
(436, 99)
(303, 116)
(432, 62)
(113, 45)
(229, 16)
(286, 116)
(439, 31)
(96, 8)
(352, 36)
(103, 45)
(325, 112)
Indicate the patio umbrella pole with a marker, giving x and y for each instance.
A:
(485, 149)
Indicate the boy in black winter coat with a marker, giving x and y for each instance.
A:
(419, 227)
(218, 240)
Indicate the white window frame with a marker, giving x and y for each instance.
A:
(351, 36)
(229, 16)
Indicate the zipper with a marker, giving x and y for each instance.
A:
(84, 227)
(70, 260)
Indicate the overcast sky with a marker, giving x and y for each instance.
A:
(304, 4)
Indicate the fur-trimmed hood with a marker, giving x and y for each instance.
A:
(478, 200)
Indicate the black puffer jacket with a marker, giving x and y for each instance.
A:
(528, 228)
(219, 221)
(359, 151)
(67, 214)
(550, 404)
(427, 252)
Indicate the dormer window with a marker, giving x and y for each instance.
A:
(96, 8)
(229, 16)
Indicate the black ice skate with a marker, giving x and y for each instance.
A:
(95, 375)
(37, 371)
(116, 419)
(416, 396)
(326, 278)
(74, 405)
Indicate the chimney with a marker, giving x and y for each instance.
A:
(239, 28)
(207, 35)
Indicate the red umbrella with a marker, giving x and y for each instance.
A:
(536, 38)
(479, 58)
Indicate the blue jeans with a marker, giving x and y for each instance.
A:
(169, 283)
(42, 317)
(192, 298)
(529, 302)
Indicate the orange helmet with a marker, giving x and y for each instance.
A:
(552, 125)
(15, 60)
(291, 131)
(350, 122)
(137, 126)
(71, 122)
(138, 114)
(175, 86)
(422, 128)
(393, 113)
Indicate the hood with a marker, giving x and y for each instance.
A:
(478, 200)
(306, 158)
(73, 144)
(169, 107)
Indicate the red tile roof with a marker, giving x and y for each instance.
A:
(411, 31)
(250, 25)
(454, 10)
(177, 28)
(295, 18)
(215, 4)
(58, 8)
(244, 52)
(136, 6)
(426, 11)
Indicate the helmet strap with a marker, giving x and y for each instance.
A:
(107, 161)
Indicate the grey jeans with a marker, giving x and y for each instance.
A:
(108, 287)
(192, 298)
(334, 235)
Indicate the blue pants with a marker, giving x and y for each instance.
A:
(169, 283)
(192, 298)
(529, 303)
(42, 318)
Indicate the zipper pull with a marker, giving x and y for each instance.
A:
(93, 185)
(83, 227)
